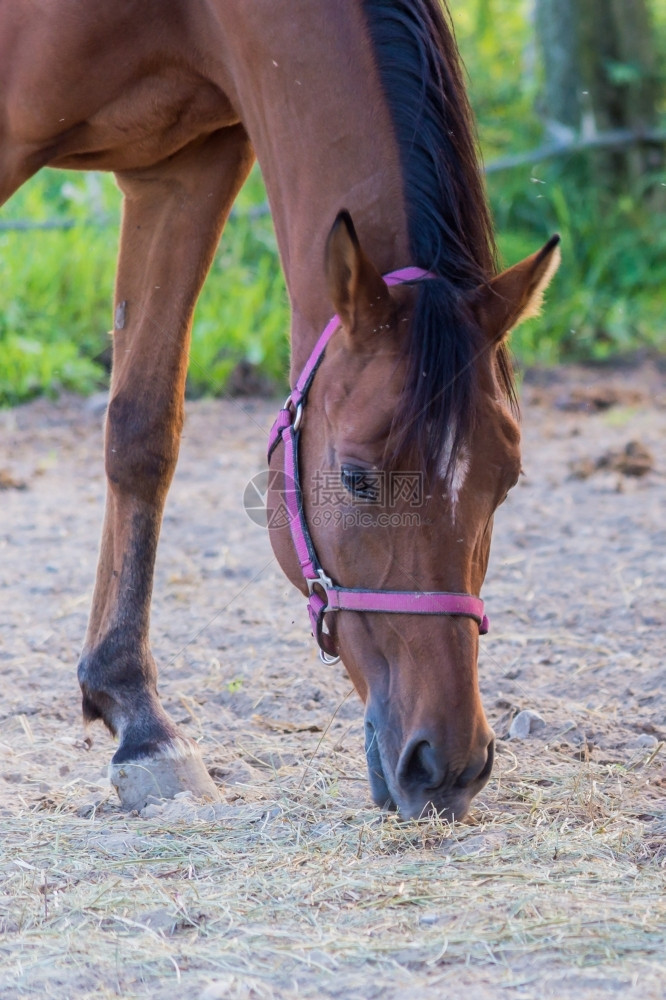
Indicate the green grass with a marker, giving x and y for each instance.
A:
(607, 298)
(243, 312)
(58, 286)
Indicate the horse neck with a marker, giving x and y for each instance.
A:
(320, 125)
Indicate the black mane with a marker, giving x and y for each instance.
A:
(450, 229)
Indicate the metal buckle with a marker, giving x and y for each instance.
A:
(298, 416)
(321, 580)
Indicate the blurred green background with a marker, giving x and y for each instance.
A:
(564, 88)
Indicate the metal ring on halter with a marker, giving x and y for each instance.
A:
(288, 403)
(327, 659)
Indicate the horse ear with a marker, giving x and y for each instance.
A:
(359, 294)
(516, 294)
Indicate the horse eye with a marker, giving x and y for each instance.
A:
(363, 484)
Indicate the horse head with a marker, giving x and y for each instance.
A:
(385, 517)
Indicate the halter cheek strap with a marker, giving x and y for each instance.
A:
(324, 595)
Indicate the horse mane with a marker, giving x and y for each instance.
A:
(449, 224)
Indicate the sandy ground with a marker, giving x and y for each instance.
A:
(576, 593)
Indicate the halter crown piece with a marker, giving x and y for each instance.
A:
(324, 595)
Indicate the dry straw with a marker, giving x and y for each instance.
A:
(555, 886)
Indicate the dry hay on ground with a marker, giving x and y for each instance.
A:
(552, 891)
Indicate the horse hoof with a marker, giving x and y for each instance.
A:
(177, 768)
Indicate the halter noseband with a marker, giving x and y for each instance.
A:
(286, 429)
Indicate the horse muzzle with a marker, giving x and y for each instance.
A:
(423, 782)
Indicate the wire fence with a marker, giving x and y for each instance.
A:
(104, 221)
(615, 139)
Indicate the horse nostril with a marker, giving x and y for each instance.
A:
(419, 767)
(478, 770)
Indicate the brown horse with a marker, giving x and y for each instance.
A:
(347, 104)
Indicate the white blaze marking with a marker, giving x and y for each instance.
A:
(455, 480)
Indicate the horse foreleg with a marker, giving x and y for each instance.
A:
(172, 218)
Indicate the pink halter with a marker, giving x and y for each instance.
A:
(286, 429)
